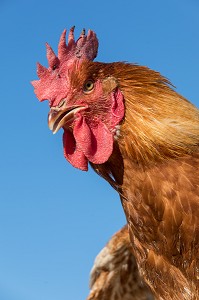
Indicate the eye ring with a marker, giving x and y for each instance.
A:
(88, 86)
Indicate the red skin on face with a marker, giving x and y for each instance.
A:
(93, 130)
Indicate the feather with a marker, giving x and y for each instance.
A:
(115, 274)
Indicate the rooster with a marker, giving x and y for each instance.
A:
(138, 133)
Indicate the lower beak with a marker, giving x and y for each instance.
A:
(60, 118)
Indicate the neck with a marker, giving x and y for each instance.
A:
(159, 125)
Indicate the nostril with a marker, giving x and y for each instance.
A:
(61, 103)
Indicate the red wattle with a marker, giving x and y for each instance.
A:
(92, 140)
(72, 152)
(95, 140)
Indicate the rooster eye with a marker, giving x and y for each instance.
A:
(88, 86)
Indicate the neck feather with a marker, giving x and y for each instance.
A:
(159, 124)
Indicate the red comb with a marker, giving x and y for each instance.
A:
(84, 48)
(50, 86)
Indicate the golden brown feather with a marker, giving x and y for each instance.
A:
(157, 174)
(115, 274)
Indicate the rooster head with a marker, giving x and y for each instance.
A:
(85, 103)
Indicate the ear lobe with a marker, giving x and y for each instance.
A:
(109, 84)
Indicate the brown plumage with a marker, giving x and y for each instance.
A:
(155, 166)
(115, 275)
(142, 137)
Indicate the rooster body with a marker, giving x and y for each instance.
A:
(158, 183)
(142, 137)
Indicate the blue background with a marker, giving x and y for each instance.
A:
(54, 219)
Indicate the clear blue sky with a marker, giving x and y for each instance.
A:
(54, 219)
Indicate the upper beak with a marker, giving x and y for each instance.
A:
(59, 118)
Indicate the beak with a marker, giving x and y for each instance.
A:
(59, 118)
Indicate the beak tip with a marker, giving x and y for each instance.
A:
(50, 126)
